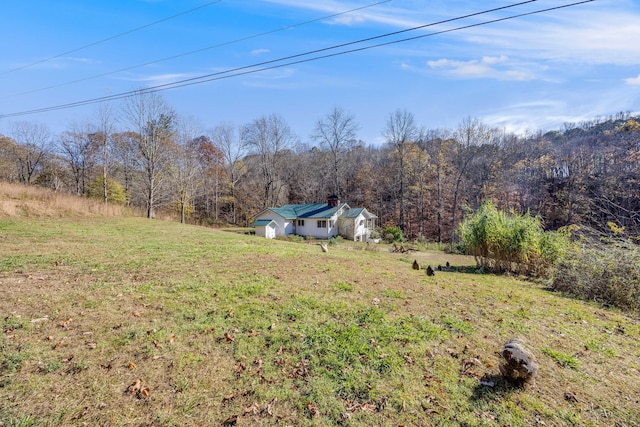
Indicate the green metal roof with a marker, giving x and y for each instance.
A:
(309, 210)
(262, 222)
(353, 213)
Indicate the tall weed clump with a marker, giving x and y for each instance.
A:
(607, 272)
(508, 242)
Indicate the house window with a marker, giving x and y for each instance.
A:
(301, 223)
(331, 223)
(361, 222)
(322, 223)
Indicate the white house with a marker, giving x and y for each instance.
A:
(318, 220)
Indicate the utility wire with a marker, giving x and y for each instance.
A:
(336, 46)
(180, 55)
(110, 37)
(239, 71)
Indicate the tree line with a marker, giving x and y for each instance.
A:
(424, 181)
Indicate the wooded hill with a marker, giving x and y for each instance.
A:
(422, 180)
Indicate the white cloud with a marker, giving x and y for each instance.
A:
(602, 32)
(257, 52)
(162, 79)
(633, 81)
(492, 67)
(273, 79)
(583, 34)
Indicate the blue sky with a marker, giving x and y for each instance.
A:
(526, 74)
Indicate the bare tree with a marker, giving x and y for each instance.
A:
(125, 152)
(103, 138)
(34, 144)
(270, 138)
(232, 145)
(470, 136)
(185, 171)
(8, 164)
(399, 131)
(153, 120)
(336, 132)
(439, 145)
(78, 149)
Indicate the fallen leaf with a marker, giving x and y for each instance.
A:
(267, 410)
(135, 386)
(570, 397)
(65, 323)
(136, 314)
(131, 365)
(144, 392)
(240, 368)
(253, 409)
(92, 345)
(229, 337)
(369, 407)
(231, 421)
(313, 409)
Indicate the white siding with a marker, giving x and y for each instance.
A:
(282, 224)
(270, 231)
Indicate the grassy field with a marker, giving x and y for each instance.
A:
(110, 321)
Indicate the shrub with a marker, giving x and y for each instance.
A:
(334, 241)
(604, 272)
(502, 241)
(375, 233)
(393, 234)
(115, 192)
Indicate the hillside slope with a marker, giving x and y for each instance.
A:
(126, 321)
(34, 202)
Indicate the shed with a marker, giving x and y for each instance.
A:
(265, 228)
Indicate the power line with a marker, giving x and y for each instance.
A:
(247, 69)
(216, 76)
(119, 96)
(110, 38)
(180, 55)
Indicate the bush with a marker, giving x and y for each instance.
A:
(115, 192)
(334, 241)
(393, 234)
(607, 273)
(503, 242)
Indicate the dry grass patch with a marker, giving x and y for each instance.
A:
(33, 202)
(126, 321)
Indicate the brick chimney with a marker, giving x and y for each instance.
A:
(333, 201)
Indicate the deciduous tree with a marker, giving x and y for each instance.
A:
(153, 120)
(336, 132)
(400, 130)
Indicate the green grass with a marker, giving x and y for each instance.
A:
(219, 324)
(561, 358)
